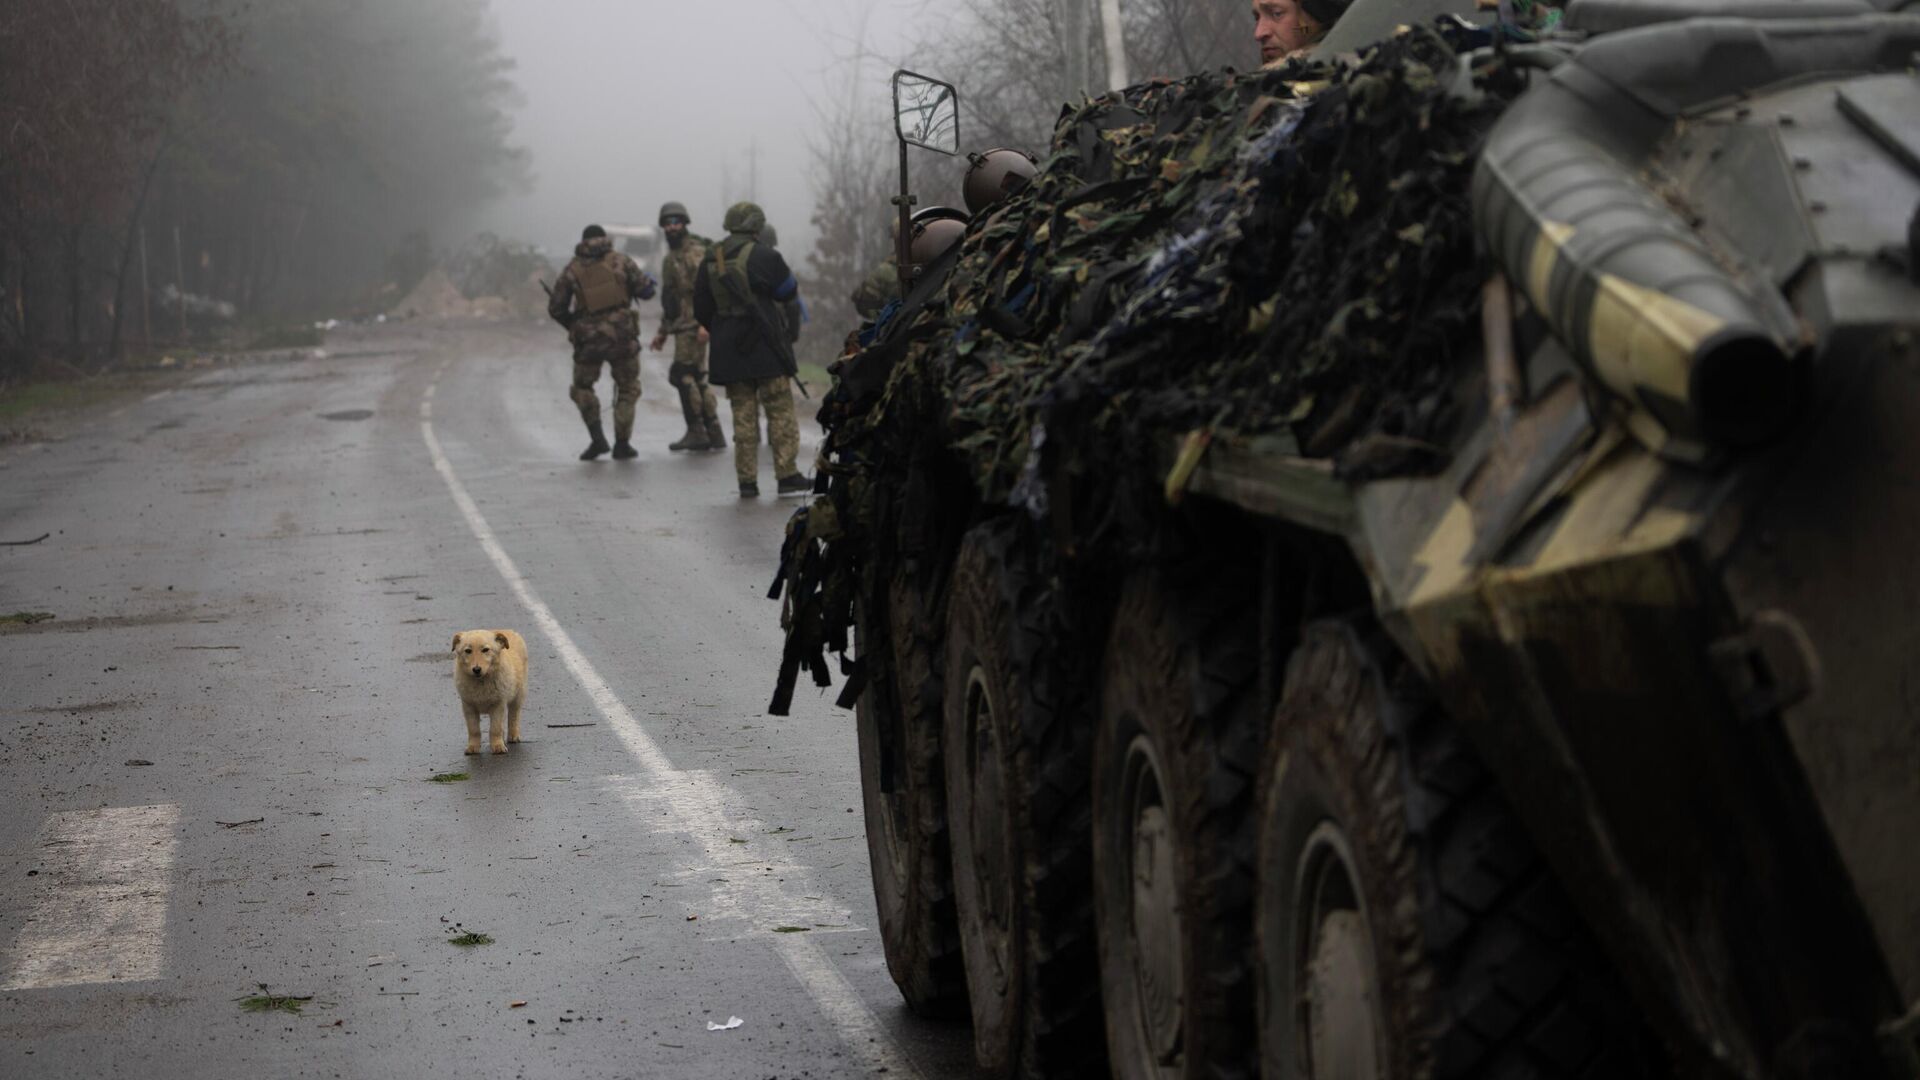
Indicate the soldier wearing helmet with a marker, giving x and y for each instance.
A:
(593, 299)
(736, 296)
(1284, 29)
(688, 372)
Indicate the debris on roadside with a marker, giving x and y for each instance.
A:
(732, 1022)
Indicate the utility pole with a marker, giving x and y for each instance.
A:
(146, 292)
(1075, 27)
(1115, 34)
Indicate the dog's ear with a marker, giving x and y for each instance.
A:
(456, 642)
(502, 639)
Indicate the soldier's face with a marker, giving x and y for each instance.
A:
(1282, 27)
(675, 229)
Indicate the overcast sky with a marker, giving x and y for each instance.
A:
(630, 103)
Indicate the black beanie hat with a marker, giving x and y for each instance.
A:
(592, 232)
(1325, 12)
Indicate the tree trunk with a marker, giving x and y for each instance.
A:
(134, 224)
(75, 344)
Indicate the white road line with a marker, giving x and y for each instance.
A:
(101, 915)
(700, 806)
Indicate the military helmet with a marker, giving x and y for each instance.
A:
(675, 210)
(770, 236)
(935, 229)
(995, 175)
(745, 217)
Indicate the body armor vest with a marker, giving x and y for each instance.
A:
(729, 301)
(602, 288)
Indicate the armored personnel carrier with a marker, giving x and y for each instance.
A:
(1400, 566)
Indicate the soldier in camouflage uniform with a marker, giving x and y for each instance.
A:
(594, 299)
(688, 372)
(737, 297)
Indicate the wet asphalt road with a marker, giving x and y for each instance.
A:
(216, 760)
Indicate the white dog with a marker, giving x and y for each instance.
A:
(490, 671)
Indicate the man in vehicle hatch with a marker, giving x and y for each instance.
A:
(1286, 28)
(594, 300)
(737, 297)
(688, 372)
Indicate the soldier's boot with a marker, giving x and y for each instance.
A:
(716, 439)
(794, 485)
(622, 445)
(696, 436)
(599, 444)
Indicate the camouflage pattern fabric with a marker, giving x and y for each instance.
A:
(626, 384)
(748, 400)
(1283, 253)
(881, 286)
(688, 373)
(678, 270)
(605, 336)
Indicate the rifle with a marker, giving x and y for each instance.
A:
(566, 323)
(767, 333)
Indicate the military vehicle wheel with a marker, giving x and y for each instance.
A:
(902, 789)
(1018, 751)
(1407, 925)
(1175, 760)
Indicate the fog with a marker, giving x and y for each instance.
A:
(630, 103)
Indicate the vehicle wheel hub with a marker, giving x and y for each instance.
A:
(1156, 905)
(1340, 1008)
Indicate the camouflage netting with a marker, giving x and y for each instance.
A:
(1281, 252)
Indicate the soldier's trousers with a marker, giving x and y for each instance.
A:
(626, 385)
(688, 374)
(748, 400)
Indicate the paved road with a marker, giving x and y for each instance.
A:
(217, 758)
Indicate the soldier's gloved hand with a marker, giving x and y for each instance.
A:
(659, 341)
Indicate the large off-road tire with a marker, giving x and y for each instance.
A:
(1018, 753)
(1175, 760)
(902, 787)
(1408, 927)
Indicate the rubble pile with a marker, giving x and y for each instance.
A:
(487, 279)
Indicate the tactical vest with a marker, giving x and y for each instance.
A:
(602, 288)
(730, 302)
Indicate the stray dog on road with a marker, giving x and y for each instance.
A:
(490, 671)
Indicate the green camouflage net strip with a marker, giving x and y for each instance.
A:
(1284, 252)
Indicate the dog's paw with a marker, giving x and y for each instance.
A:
(515, 739)
(473, 748)
(499, 748)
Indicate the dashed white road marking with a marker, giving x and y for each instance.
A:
(101, 912)
(699, 805)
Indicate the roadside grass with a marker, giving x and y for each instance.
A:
(448, 778)
(296, 336)
(266, 1002)
(816, 378)
(471, 940)
(26, 399)
(25, 618)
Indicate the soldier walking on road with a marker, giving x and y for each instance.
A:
(688, 372)
(737, 297)
(594, 300)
